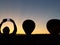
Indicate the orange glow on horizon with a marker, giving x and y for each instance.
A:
(19, 20)
(21, 31)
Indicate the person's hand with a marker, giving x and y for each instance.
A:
(4, 20)
(12, 21)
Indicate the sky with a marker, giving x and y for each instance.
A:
(40, 11)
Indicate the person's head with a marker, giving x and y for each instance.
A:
(6, 30)
(28, 26)
(53, 26)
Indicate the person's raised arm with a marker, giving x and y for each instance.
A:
(4, 20)
(15, 27)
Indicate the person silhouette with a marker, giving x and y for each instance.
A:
(6, 30)
(53, 26)
(28, 26)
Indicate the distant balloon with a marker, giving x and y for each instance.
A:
(53, 26)
(28, 26)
